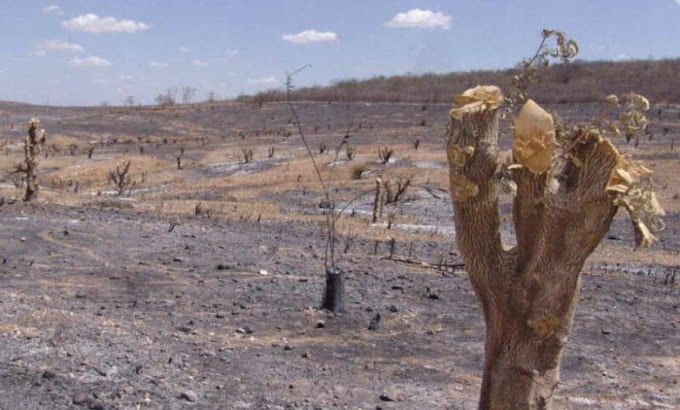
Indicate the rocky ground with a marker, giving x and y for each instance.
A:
(141, 302)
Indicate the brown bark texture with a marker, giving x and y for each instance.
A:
(32, 147)
(561, 212)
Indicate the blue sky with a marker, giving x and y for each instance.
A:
(85, 52)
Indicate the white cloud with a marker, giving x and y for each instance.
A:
(418, 18)
(271, 80)
(184, 49)
(158, 64)
(310, 36)
(91, 61)
(59, 45)
(52, 9)
(677, 2)
(233, 52)
(92, 23)
(199, 63)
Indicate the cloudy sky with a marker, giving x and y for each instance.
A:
(85, 52)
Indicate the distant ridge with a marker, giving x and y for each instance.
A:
(580, 81)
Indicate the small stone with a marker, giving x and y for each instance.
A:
(178, 259)
(220, 315)
(305, 355)
(82, 400)
(22, 239)
(49, 374)
(386, 397)
(320, 324)
(189, 395)
(606, 331)
(263, 272)
(245, 330)
(375, 322)
(432, 294)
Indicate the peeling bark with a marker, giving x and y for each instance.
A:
(32, 147)
(528, 293)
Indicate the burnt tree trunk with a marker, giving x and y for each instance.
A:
(32, 147)
(528, 293)
(334, 294)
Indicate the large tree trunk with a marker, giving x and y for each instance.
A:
(528, 293)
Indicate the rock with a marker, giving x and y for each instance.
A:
(432, 294)
(245, 330)
(82, 400)
(178, 259)
(220, 315)
(189, 395)
(386, 397)
(320, 324)
(227, 266)
(375, 322)
(98, 406)
(606, 331)
(49, 374)
(263, 272)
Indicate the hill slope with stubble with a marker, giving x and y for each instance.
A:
(576, 82)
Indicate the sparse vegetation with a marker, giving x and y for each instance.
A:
(395, 190)
(120, 177)
(358, 170)
(384, 154)
(220, 267)
(582, 82)
(167, 98)
(33, 144)
(350, 151)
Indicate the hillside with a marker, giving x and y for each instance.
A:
(577, 82)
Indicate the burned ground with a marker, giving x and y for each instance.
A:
(142, 301)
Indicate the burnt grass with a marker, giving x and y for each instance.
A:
(108, 305)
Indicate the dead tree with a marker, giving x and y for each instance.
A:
(119, 177)
(378, 200)
(395, 191)
(32, 146)
(562, 209)
(384, 154)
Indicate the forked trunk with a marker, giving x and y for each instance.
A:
(334, 294)
(528, 293)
